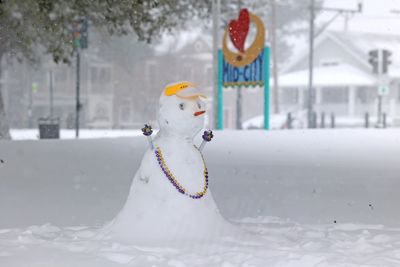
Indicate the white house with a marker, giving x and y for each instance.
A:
(343, 81)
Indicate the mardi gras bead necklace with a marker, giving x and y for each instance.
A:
(174, 181)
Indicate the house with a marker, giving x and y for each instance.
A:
(27, 92)
(343, 82)
(120, 82)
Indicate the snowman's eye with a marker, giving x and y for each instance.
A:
(182, 106)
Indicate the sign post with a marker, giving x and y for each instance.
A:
(266, 87)
(80, 41)
(245, 67)
(220, 124)
(380, 59)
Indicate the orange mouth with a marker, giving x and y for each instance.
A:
(198, 113)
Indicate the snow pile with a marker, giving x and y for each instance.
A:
(275, 242)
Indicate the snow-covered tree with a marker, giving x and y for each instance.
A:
(27, 27)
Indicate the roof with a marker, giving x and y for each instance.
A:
(362, 43)
(328, 76)
(358, 44)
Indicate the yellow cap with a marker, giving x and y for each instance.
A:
(180, 90)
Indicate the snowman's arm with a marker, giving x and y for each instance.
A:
(147, 131)
(207, 136)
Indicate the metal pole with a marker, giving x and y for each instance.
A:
(78, 105)
(215, 20)
(220, 92)
(51, 94)
(239, 108)
(380, 58)
(30, 111)
(239, 95)
(384, 120)
(379, 124)
(323, 120)
(274, 55)
(266, 87)
(310, 65)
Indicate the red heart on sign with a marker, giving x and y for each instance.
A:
(238, 29)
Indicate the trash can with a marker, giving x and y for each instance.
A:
(49, 128)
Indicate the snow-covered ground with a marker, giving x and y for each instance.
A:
(276, 242)
(33, 134)
(307, 198)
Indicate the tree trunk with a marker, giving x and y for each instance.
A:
(274, 54)
(4, 127)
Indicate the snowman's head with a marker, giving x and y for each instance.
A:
(181, 110)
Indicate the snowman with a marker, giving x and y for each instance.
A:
(170, 200)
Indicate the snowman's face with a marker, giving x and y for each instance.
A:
(181, 116)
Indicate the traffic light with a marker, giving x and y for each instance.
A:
(386, 60)
(84, 34)
(80, 33)
(380, 60)
(374, 60)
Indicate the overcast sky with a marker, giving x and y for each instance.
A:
(376, 16)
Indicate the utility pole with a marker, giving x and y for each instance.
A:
(215, 19)
(239, 94)
(310, 67)
(78, 103)
(274, 57)
(380, 75)
(80, 39)
(312, 36)
(51, 93)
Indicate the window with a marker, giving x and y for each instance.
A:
(93, 75)
(335, 95)
(100, 75)
(104, 75)
(102, 112)
(125, 112)
(290, 95)
(365, 95)
(100, 78)
(60, 76)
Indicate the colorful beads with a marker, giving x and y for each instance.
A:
(174, 181)
(147, 130)
(208, 135)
